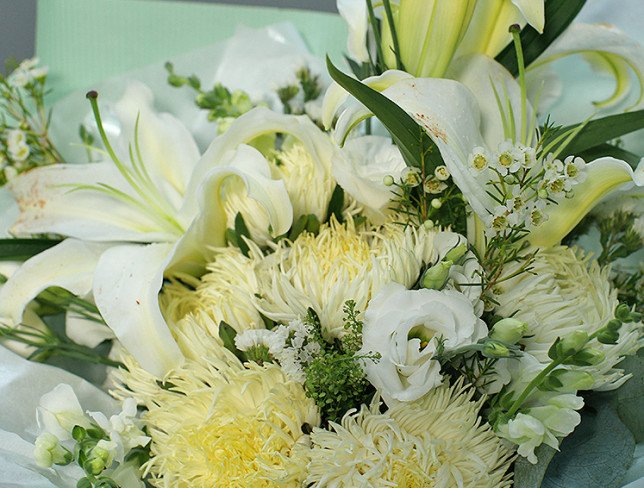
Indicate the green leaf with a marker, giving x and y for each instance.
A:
(558, 14)
(605, 129)
(411, 139)
(23, 249)
(227, 335)
(336, 204)
(528, 475)
(630, 396)
(241, 230)
(597, 454)
(609, 150)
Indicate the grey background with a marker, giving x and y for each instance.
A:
(18, 21)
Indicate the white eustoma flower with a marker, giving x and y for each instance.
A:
(404, 327)
(131, 224)
(360, 168)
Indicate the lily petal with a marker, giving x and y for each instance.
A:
(484, 76)
(167, 147)
(250, 126)
(69, 265)
(209, 227)
(127, 281)
(533, 12)
(86, 332)
(50, 200)
(354, 13)
(617, 52)
(605, 175)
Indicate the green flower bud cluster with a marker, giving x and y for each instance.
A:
(435, 277)
(222, 104)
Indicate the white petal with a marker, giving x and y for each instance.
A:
(59, 410)
(167, 147)
(86, 332)
(69, 265)
(482, 75)
(533, 12)
(248, 127)
(605, 175)
(209, 227)
(50, 202)
(127, 282)
(618, 51)
(360, 167)
(354, 12)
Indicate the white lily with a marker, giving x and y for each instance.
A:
(464, 119)
(163, 198)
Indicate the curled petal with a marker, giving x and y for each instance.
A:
(605, 175)
(69, 265)
(611, 50)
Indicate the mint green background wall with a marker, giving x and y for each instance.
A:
(87, 41)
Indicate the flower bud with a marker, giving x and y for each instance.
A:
(43, 457)
(436, 203)
(436, 276)
(572, 380)
(388, 180)
(508, 330)
(607, 336)
(587, 357)
(569, 345)
(494, 349)
(456, 253)
(94, 466)
(623, 312)
(614, 325)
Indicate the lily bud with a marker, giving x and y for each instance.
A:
(508, 330)
(429, 31)
(436, 276)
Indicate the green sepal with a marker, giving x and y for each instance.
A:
(558, 16)
(336, 204)
(23, 249)
(413, 142)
(78, 433)
(227, 335)
(84, 483)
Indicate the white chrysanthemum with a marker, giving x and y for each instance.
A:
(339, 264)
(309, 184)
(437, 441)
(566, 291)
(225, 293)
(215, 422)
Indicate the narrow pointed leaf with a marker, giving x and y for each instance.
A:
(603, 150)
(22, 249)
(410, 138)
(558, 14)
(602, 130)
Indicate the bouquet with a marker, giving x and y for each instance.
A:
(394, 269)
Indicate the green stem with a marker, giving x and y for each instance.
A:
(536, 381)
(394, 36)
(516, 30)
(376, 34)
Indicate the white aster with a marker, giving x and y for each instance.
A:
(567, 291)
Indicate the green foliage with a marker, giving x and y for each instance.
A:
(596, 455)
(23, 114)
(227, 335)
(558, 15)
(528, 475)
(335, 379)
(23, 249)
(221, 103)
(618, 237)
(336, 205)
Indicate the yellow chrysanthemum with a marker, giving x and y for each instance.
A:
(341, 263)
(563, 292)
(437, 441)
(214, 422)
(225, 292)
